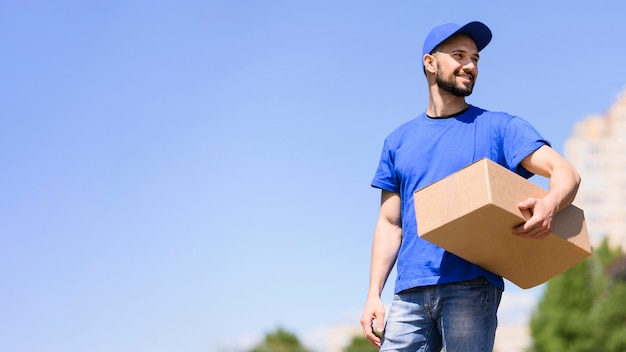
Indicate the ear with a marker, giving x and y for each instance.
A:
(429, 63)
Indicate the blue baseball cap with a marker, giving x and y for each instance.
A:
(479, 32)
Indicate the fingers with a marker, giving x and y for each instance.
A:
(367, 322)
(370, 334)
(537, 234)
(538, 220)
(534, 228)
(529, 203)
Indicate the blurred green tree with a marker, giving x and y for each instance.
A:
(360, 344)
(280, 341)
(582, 309)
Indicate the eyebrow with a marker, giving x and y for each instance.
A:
(464, 51)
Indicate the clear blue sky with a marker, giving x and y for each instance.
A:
(188, 175)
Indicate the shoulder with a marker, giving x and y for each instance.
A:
(492, 115)
(499, 120)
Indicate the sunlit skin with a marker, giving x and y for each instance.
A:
(451, 72)
(462, 79)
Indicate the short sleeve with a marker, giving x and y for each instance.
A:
(385, 177)
(521, 139)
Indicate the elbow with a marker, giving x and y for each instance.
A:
(576, 177)
(565, 168)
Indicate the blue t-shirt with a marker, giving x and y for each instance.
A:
(425, 150)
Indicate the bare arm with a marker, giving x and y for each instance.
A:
(387, 239)
(564, 182)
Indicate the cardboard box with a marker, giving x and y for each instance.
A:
(471, 213)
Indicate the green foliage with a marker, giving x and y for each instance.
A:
(360, 344)
(280, 341)
(582, 310)
(612, 316)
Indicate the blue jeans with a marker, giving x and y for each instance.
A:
(460, 317)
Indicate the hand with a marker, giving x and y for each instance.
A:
(539, 225)
(374, 310)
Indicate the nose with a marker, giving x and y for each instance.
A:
(470, 64)
(471, 67)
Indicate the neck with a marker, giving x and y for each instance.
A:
(442, 103)
(445, 104)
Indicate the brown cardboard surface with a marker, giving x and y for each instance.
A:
(471, 213)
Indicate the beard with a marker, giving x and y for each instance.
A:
(451, 86)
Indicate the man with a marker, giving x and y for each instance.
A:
(441, 300)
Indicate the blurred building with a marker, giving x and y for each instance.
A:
(512, 338)
(597, 148)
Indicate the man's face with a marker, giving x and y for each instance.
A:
(457, 69)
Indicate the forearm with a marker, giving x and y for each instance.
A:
(564, 179)
(564, 183)
(387, 239)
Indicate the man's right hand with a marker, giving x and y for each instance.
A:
(374, 311)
